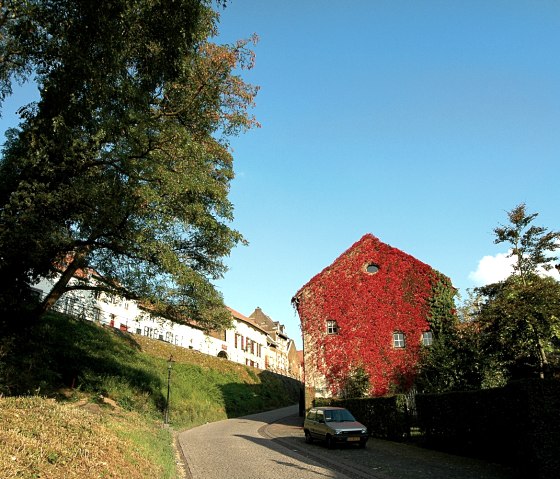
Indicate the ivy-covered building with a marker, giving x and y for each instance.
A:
(367, 318)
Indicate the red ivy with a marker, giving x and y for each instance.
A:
(368, 308)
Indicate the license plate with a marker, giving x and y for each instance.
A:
(353, 439)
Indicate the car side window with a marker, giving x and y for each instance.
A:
(311, 415)
(320, 416)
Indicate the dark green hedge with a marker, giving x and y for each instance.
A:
(385, 417)
(518, 424)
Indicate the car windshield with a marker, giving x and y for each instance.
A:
(338, 415)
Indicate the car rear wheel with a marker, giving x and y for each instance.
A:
(308, 437)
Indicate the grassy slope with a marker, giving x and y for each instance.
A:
(110, 388)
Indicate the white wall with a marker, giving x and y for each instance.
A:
(251, 348)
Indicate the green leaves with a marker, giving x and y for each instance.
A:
(530, 245)
(125, 155)
(519, 316)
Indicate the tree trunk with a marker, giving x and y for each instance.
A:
(543, 360)
(60, 286)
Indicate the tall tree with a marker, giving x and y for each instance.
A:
(531, 246)
(520, 317)
(123, 166)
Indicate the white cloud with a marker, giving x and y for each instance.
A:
(492, 269)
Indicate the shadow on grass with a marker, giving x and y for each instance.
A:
(60, 352)
(272, 391)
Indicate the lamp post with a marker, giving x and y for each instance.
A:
(169, 365)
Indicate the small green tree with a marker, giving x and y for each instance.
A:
(357, 384)
(451, 362)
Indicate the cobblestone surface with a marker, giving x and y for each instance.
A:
(384, 459)
(272, 445)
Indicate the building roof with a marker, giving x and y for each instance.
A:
(249, 320)
(368, 241)
(262, 319)
(267, 323)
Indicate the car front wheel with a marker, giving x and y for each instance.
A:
(329, 441)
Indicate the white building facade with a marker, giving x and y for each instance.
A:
(247, 342)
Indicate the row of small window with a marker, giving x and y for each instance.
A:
(248, 345)
(399, 339)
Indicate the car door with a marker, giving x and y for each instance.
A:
(320, 427)
(311, 422)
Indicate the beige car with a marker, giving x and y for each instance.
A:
(334, 425)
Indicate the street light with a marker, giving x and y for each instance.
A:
(169, 365)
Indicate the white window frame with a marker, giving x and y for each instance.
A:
(427, 338)
(399, 340)
(332, 326)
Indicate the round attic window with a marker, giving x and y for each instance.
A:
(372, 268)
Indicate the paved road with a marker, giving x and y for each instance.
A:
(271, 445)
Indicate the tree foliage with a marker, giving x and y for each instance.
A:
(520, 324)
(457, 360)
(123, 165)
(519, 317)
(531, 245)
(356, 384)
(506, 330)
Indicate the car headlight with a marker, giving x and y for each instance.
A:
(337, 431)
(364, 431)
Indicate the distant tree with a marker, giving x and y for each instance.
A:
(520, 324)
(123, 166)
(458, 359)
(357, 384)
(531, 246)
(519, 317)
(450, 363)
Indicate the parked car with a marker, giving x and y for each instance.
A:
(334, 425)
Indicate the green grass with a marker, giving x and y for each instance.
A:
(83, 364)
(44, 438)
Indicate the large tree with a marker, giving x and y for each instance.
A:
(520, 317)
(123, 165)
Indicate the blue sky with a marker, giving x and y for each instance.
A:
(421, 122)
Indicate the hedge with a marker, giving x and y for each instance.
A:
(385, 417)
(518, 424)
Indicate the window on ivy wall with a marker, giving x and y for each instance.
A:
(372, 268)
(332, 327)
(398, 339)
(427, 338)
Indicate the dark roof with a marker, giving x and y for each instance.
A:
(263, 320)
